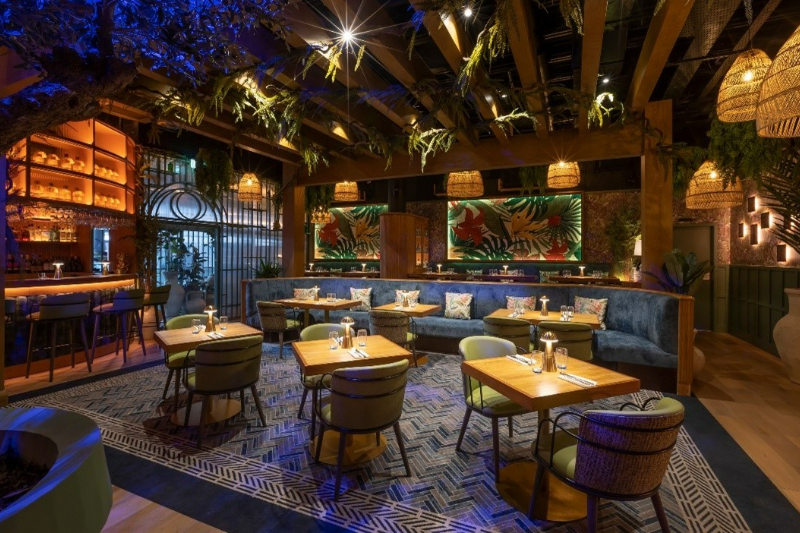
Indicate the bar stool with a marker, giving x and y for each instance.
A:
(125, 304)
(55, 310)
(157, 298)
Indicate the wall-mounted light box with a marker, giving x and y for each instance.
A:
(753, 234)
(765, 220)
(742, 230)
(751, 204)
(781, 251)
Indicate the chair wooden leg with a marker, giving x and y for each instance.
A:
(95, 333)
(280, 344)
(31, 336)
(72, 341)
(537, 487)
(463, 429)
(496, 447)
(82, 330)
(662, 516)
(257, 401)
(319, 441)
(510, 427)
(124, 333)
(188, 408)
(166, 385)
(302, 404)
(399, 436)
(141, 334)
(591, 513)
(53, 329)
(178, 375)
(201, 431)
(339, 461)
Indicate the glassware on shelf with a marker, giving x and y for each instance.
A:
(67, 162)
(52, 192)
(78, 196)
(78, 165)
(52, 160)
(37, 190)
(64, 195)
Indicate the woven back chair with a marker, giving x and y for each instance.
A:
(395, 326)
(274, 320)
(511, 329)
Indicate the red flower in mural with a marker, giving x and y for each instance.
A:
(557, 252)
(470, 228)
(328, 233)
(554, 220)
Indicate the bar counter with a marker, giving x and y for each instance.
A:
(26, 285)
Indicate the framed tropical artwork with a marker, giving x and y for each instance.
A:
(529, 228)
(350, 233)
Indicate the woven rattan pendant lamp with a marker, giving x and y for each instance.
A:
(778, 111)
(563, 175)
(707, 190)
(249, 188)
(346, 191)
(738, 94)
(465, 184)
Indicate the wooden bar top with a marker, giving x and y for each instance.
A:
(538, 392)
(37, 287)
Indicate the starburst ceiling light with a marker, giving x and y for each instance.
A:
(468, 12)
(738, 94)
(465, 184)
(563, 175)
(249, 188)
(707, 190)
(347, 35)
(346, 191)
(777, 113)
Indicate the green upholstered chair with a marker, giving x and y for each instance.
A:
(577, 338)
(70, 309)
(222, 367)
(362, 400)
(315, 333)
(616, 455)
(395, 326)
(274, 320)
(125, 306)
(511, 329)
(157, 299)
(483, 399)
(175, 361)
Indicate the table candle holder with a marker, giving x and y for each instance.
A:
(439, 267)
(347, 340)
(316, 294)
(549, 338)
(57, 274)
(544, 300)
(363, 267)
(404, 302)
(210, 310)
(505, 270)
(104, 268)
(311, 267)
(582, 268)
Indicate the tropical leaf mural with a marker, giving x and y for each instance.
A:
(528, 228)
(350, 233)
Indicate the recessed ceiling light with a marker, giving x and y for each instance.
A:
(606, 80)
(504, 95)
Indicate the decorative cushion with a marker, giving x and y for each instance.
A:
(594, 306)
(528, 302)
(411, 294)
(364, 295)
(304, 294)
(544, 275)
(457, 305)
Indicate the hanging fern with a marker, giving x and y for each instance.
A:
(213, 173)
(319, 197)
(430, 142)
(572, 13)
(782, 190)
(533, 180)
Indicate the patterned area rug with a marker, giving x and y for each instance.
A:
(448, 490)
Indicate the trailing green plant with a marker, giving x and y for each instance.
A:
(685, 159)
(319, 197)
(781, 188)
(622, 230)
(193, 278)
(213, 173)
(680, 273)
(533, 180)
(266, 269)
(740, 153)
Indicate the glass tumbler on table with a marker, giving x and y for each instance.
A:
(563, 312)
(333, 338)
(196, 326)
(570, 312)
(331, 296)
(562, 356)
(362, 337)
(223, 323)
(537, 359)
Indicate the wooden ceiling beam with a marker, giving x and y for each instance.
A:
(391, 50)
(453, 43)
(594, 23)
(522, 39)
(664, 30)
(520, 151)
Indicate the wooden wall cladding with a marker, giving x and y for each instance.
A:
(756, 301)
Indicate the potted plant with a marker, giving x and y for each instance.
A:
(680, 273)
(213, 173)
(175, 251)
(193, 280)
(265, 269)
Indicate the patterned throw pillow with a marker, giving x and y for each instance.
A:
(304, 294)
(364, 295)
(544, 275)
(594, 306)
(457, 305)
(411, 295)
(528, 302)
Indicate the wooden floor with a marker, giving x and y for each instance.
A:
(745, 388)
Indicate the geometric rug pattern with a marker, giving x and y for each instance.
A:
(447, 491)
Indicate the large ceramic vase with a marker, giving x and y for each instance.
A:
(787, 336)
(176, 295)
(195, 302)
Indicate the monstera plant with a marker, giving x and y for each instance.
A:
(680, 272)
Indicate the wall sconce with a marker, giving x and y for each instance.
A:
(751, 204)
(753, 234)
(781, 251)
(765, 220)
(742, 230)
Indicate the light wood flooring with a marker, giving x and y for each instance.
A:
(744, 388)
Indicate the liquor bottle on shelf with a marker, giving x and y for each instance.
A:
(67, 162)
(52, 160)
(37, 191)
(78, 165)
(52, 192)
(64, 195)
(39, 157)
(78, 196)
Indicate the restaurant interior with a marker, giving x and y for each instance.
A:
(424, 265)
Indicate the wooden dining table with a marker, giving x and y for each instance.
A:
(541, 392)
(323, 304)
(585, 280)
(317, 358)
(181, 340)
(535, 317)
